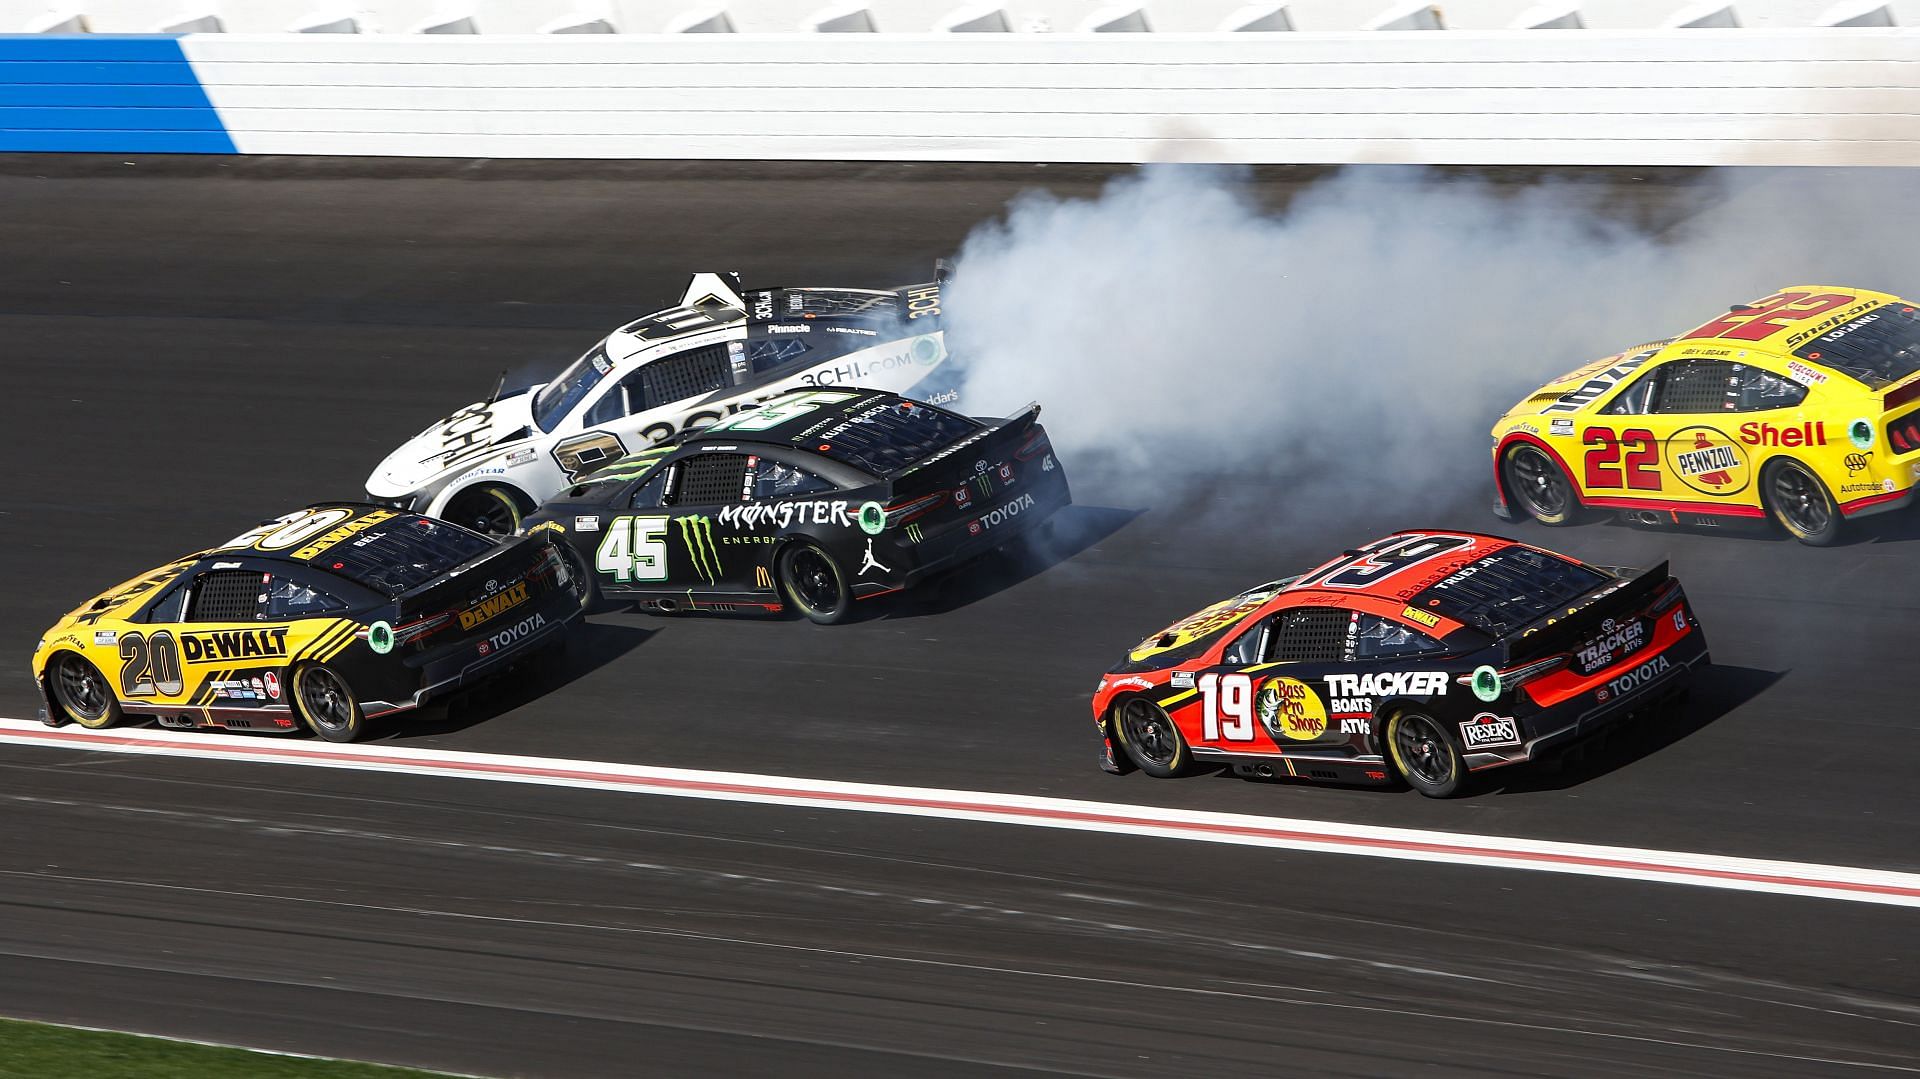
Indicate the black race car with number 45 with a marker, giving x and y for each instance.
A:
(816, 499)
(1424, 656)
(330, 616)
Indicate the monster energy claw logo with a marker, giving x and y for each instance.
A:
(697, 534)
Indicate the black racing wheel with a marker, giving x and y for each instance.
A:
(1537, 484)
(489, 509)
(815, 584)
(1797, 499)
(1151, 739)
(327, 704)
(82, 693)
(1426, 757)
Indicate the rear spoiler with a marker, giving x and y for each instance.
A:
(511, 560)
(1562, 630)
(1014, 426)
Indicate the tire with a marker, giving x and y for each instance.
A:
(814, 583)
(1424, 755)
(577, 566)
(326, 704)
(488, 509)
(1151, 739)
(1798, 502)
(81, 693)
(1537, 485)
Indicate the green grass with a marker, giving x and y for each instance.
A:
(40, 1051)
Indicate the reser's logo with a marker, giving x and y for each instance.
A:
(495, 605)
(697, 534)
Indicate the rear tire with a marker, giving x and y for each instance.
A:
(326, 704)
(814, 583)
(1424, 755)
(81, 692)
(1797, 500)
(1151, 739)
(1537, 485)
(488, 509)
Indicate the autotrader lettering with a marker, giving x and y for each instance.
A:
(1388, 684)
(207, 647)
(697, 533)
(495, 605)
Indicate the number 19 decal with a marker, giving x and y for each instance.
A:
(634, 549)
(1227, 703)
(1603, 467)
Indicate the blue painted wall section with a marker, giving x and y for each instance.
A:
(100, 93)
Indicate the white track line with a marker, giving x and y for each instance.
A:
(1331, 837)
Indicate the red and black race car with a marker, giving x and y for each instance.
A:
(1424, 656)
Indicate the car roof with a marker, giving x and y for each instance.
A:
(1395, 585)
(804, 428)
(362, 518)
(638, 341)
(1776, 324)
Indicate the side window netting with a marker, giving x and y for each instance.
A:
(711, 478)
(689, 374)
(1699, 386)
(231, 595)
(1311, 635)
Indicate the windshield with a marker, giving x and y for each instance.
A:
(558, 397)
(1879, 348)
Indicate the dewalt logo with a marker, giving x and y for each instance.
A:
(697, 534)
(497, 604)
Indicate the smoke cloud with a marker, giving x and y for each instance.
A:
(1358, 343)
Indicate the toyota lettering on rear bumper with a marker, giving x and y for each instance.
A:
(509, 636)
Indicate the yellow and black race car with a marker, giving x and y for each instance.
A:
(329, 616)
(1803, 407)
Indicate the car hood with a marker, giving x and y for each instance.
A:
(1182, 640)
(471, 436)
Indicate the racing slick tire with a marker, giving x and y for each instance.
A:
(814, 583)
(326, 705)
(1538, 486)
(488, 508)
(81, 693)
(1151, 739)
(1424, 755)
(1799, 502)
(577, 567)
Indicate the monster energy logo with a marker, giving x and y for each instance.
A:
(914, 534)
(697, 534)
(985, 483)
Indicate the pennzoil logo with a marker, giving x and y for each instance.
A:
(697, 534)
(495, 605)
(1708, 461)
(219, 644)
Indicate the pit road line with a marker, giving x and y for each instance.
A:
(1853, 884)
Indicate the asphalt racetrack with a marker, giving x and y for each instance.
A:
(192, 346)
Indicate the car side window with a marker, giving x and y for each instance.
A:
(1759, 391)
(1250, 647)
(623, 398)
(169, 605)
(1697, 386)
(288, 598)
(1637, 398)
(653, 493)
(1309, 635)
(682, 375)
(711, 479)
(226, 595)
(772, 479)
(1383, 638)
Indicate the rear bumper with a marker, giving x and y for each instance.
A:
(1654, 679)
(457, 666)
(989, 528)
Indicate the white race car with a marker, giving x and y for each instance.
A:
(722, 350)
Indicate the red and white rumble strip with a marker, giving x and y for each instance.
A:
(1330, 837)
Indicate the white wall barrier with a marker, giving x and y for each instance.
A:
(1685, 97)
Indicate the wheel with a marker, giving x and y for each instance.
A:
(815, 584)
(82, 692)
(1151, 739)
(577, 568)
(1538, 485)
(495, 511)
(1427, 759)
(1799, 501)
(327, 704)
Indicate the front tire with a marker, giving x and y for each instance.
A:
(1537, 485)
(82, 693)
(491, 510)
(815, 584)
(1799, 502)
(1425, 757)
(1151, 739)
(326, 704)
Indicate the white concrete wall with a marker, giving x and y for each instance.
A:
(1842, 97)
(915, 16)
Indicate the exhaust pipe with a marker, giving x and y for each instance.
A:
(1264, 771)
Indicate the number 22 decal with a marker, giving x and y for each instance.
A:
(1604, 464)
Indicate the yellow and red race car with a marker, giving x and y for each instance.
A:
(1803, 407)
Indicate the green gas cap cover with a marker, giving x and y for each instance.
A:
(1486, 683)
(380, 637)
(1861, 432)
(873, 518)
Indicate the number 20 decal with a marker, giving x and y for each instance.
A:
(1603, 462)
(150, 665)
(634, 549)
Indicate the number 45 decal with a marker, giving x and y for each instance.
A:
(634, 549)
(1604, 465)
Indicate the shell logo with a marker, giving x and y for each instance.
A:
(1290, 709)
(1705, 459)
